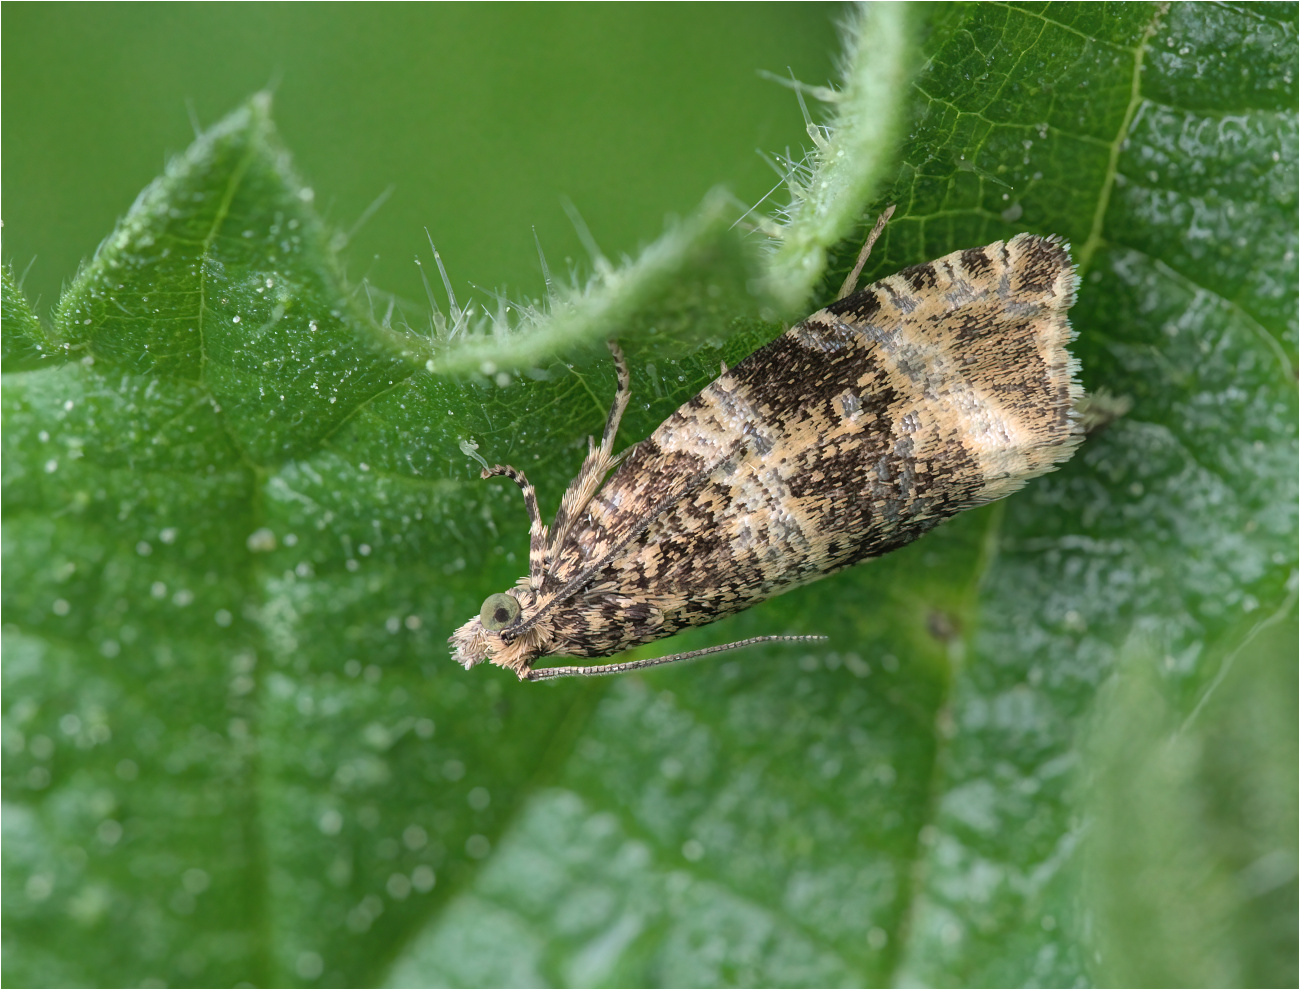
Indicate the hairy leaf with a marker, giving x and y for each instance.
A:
(240, 521)
(24, 343)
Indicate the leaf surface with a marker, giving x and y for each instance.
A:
(24, 342)
(239, 525)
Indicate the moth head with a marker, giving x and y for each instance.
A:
(488, 636)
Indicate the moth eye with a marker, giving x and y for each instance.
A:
(498, 612)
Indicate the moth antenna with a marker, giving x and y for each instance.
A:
(599, 459)
(621, 397)
(851, 282)
(537, 542)
(550, 673)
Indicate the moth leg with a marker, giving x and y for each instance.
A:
(851, 282)
(621, 398)
(599, 458)
(537, 541)
(550, 673)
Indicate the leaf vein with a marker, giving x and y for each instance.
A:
(1117, 144)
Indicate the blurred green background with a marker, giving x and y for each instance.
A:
(480, 117)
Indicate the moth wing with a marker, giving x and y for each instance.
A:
(671, 464)
(941, 387)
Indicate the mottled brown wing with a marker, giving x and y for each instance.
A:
(942, 387)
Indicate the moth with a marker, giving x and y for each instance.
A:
(940, 388)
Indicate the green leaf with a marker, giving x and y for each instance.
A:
(221, 279)
(1192, 863)
(690, 284)
(853, 152)
(24, 343)
(237, 750)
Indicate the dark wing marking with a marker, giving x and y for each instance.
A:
(941, 387)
